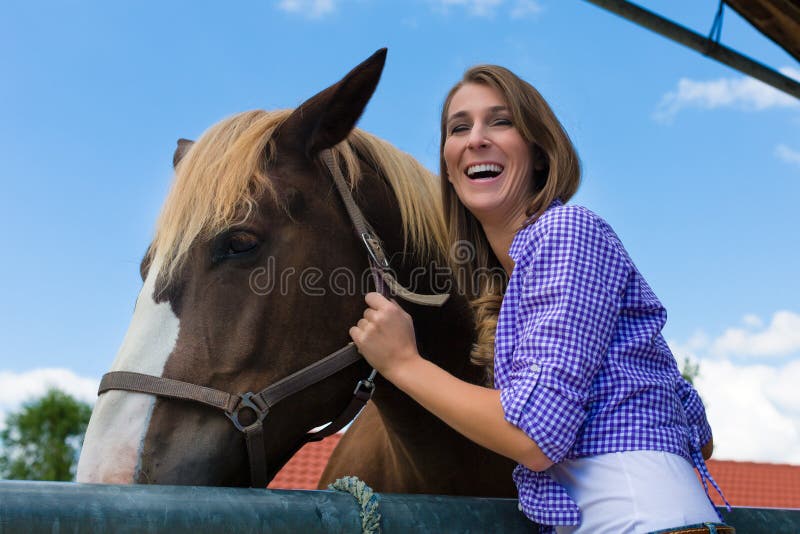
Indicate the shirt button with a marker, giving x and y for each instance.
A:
(535, 367)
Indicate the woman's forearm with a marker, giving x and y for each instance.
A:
(472, 410)
(385, 336)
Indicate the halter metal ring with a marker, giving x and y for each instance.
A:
(246, 401)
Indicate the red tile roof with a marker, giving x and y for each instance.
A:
(756, 485)
(305, 467)
(744, 483)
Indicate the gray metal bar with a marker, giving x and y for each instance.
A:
(763, 520)
(700, 43)
(47, 507)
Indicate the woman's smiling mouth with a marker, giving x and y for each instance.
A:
(483, 171)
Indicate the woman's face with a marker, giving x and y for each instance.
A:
(488, 162)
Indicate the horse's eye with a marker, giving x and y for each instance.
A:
(241, 242)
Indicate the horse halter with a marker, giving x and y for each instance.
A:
(259, 404)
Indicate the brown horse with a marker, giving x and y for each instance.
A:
(255, 273)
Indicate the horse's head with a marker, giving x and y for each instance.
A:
(255, 272)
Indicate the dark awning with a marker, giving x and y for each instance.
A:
(777, 19)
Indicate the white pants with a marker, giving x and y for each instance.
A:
(633, 492)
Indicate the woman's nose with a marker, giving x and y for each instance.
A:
(477, 138)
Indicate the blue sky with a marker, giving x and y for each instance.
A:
(695, 166)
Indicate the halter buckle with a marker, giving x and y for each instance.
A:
(375, 250)
(251, 401)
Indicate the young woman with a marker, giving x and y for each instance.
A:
(587, 396)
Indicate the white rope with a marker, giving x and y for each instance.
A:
(367, 499)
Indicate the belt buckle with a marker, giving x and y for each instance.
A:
(375, 250)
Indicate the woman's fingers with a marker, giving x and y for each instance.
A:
(376, 300)
(355, 334)
(379, 303)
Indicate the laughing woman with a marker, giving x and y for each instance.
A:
(587, 396)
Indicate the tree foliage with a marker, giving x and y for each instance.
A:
(690, 370)
(42, 440)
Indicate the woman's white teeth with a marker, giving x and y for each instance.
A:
(484, 170)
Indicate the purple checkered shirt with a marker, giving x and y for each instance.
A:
(580, 360)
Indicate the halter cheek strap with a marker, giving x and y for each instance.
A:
(381, 273)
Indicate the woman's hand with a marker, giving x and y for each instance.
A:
(385, 335)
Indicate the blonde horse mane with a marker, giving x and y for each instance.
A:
(221, 178)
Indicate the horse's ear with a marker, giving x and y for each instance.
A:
(183, 147)
(328, 117)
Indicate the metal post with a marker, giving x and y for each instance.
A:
(702, 44)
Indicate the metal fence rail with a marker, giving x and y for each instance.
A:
(56, 507)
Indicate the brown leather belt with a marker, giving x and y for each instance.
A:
(706, 528)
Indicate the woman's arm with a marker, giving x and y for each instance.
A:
(385, 336)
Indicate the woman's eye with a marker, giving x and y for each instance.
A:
(503, 122)
(458, 128)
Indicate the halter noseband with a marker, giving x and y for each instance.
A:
(260, 403)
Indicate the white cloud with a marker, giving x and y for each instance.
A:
(788, 155)
(780, 338)
(489, 8)
(752, 403)
(741, 93)
(17, 388)
(752, 320)
(698, 341)
(755, 341)
(479, 8)
(754, 410)
(526, 8)
(310, 8)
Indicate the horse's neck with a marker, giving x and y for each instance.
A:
(444, 336)
(425, 454)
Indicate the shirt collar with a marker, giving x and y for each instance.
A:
(518, 243)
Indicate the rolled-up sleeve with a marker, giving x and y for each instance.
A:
(574, 272)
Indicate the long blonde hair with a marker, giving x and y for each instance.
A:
(220, 179)
(558, 177)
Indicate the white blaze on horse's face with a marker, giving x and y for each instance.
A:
(117, 429)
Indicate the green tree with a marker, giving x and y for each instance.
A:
(690, 370)
(42, 440)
